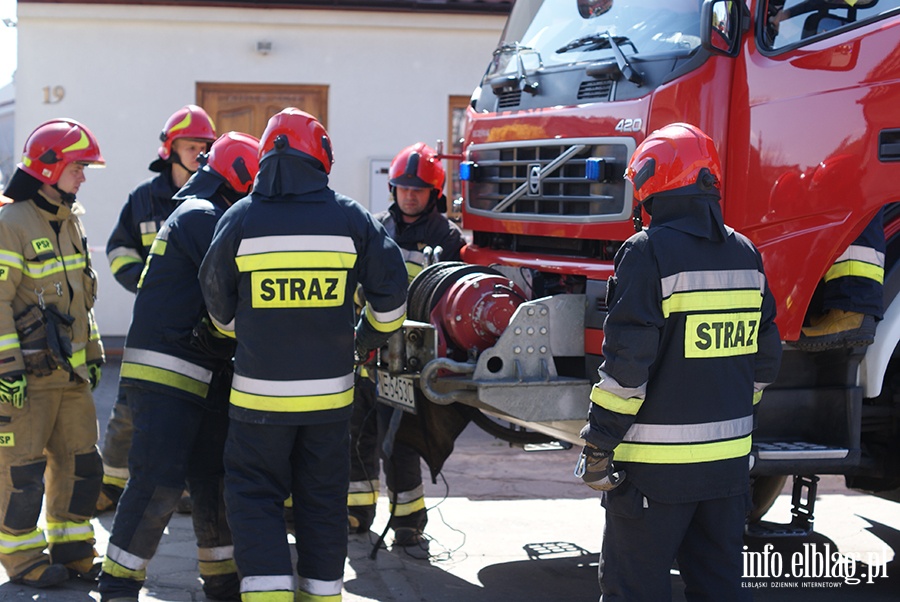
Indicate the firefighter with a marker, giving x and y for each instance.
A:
(188, 132)
(853, 295)
(50, 356)
(280, 275)
(689, 345)
(176, 376)
(415, 222)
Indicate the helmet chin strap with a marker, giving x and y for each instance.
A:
(67, 197)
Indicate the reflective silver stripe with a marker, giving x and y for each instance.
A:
(690, 433)
(166, 362)
(712, 280)
(15, 543)
(11, 259)
(317, 587)
(62, 532)
(861, 253)
(123, 252)
(126, 559)
(148, 227)
(116, 473)
(223, 327)
(405, 497)
(611, 385)
(215, 554)
(290, 388)
(270, 244)
(757, 387)
(267, 583)
(416, 257)
(364, 486)
(386, 317)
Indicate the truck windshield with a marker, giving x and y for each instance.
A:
(547, 33)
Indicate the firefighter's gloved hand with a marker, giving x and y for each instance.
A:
(94, 374)
(362, 356)
(211, 341)
(595, 468)
(14, 390)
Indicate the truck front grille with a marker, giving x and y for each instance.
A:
(549, 179)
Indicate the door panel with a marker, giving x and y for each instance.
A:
(248, 107)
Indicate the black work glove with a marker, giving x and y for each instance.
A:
(207, 338)
(595, 468)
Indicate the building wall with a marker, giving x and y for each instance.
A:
(7, 143)
(125, 69)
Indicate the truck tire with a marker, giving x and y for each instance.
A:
(764, 490)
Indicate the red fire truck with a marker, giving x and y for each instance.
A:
(801, 97)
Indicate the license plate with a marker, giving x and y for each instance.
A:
(396, 391)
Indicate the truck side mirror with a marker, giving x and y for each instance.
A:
(722, 23)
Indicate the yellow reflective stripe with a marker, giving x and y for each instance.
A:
(164, 377)
(295, 259)
(121, 262)
(296, 403)
(362, 499)
(158, 247)
(408, 502)
(9, 341)
(11, 258)
(114, 569)
(757, 395)
(413, 269)
(147, 238)
(712, 301)
(95, 332)
(307, 597)
(43, 269)
(386, 321)
(858, 269)
(81, 144)
(614, 403)
(69, 531)
(217, 567)
(111, 480)
(16, 543)
(225, 329)
(408, 508)
(78, 358)
(691, 453)
(278, 596)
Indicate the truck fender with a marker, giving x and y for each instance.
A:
(875, 362)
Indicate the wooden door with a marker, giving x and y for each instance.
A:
(248, 107)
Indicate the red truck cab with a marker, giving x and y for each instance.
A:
(801, 99)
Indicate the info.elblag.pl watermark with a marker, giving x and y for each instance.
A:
(815, 566)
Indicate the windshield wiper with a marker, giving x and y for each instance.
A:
(521, 76)
(604, 40)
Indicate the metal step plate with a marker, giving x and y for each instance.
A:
(798, 450)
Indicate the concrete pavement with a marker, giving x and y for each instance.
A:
(514, 526)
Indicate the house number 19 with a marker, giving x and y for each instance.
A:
(54, 94)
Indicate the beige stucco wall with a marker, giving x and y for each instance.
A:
(125, 69)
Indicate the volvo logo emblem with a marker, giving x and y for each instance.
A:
(534, 179)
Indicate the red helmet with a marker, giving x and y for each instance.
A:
(675, 156)
(189, 121)
(296, 130)
(235, 156)
(416, 166)
(56, 143)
